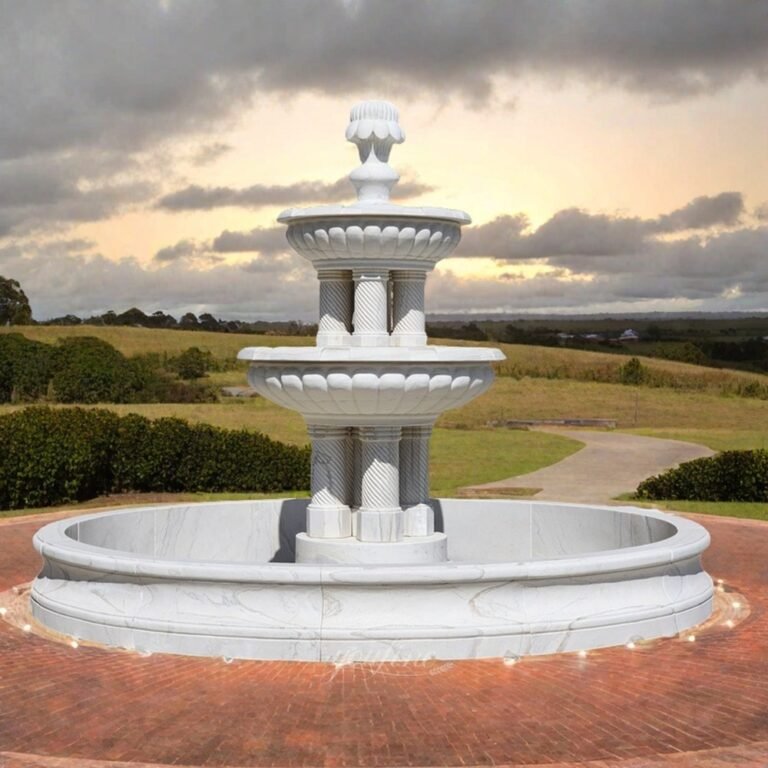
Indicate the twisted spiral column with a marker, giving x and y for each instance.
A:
(380, 517)
(335, 323)
(408, 308)
(371, 301)
(414, 481)
(328, 513)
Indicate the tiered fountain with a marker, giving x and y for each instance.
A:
(371, 567)
(372, 388)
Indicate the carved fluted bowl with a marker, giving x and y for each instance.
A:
(337, 236)
(361, 386)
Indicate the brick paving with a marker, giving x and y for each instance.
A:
(673, 703)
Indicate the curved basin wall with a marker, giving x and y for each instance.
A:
(265, 531)
(217, 580)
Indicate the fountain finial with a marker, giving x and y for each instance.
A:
(374, 128)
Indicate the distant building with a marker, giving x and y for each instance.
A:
(629, 335)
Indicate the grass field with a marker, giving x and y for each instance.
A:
(538, 362)
(716, 439)
(561, 363)
(631, 407)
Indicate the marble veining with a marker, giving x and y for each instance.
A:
(641, 578)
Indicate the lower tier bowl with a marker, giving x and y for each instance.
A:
(219, 579)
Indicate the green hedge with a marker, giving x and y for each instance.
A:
(729, 476)
(56, 456)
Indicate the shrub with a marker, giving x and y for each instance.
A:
(55, 456)
(25, 368)
(729, 476)
(89, 370)
(192, 363)
(632, 372)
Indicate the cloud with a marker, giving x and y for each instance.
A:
(208, 153)
(196, 198)
(59, 282)
(77, 74)
(725, 271)
(728, 271)
(86, 85)
(182, 249)
(573, 235)
(37, 193)
(265, 240)
(703, 212)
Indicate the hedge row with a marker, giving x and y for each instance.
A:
(729, 476)
(55, 456)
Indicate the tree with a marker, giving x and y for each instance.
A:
(189, 320)
(14, 304)
(208, 322)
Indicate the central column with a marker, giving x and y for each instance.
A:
(335, 323)
(408, 308)
(328, 513)
(380, 517)
(370, 317)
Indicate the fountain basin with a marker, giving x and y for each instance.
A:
(218, 579)
(403, 237)
(354, 386)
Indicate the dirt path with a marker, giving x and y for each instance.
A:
(611, 463)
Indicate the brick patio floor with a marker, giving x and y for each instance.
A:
(673, 704)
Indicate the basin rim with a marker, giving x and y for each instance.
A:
(372, 211)
(689, 540)
(360, 355)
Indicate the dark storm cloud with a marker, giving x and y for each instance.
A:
(574, 233)
(75, 73)
(196, 198)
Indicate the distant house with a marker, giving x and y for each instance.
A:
(593, 336)
(629, 335)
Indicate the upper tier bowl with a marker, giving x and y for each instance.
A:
(335, 236)
(365, 386)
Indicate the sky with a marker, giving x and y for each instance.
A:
(613, 154)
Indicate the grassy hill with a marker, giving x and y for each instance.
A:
(684, 402)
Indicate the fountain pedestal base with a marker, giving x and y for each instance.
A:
(412, 550)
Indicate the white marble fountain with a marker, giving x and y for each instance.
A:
(371, 567)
